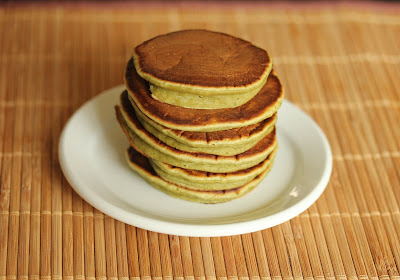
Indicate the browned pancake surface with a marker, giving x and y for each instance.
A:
(202, 58)
(138, 88)
(229, 134)
(264, 144)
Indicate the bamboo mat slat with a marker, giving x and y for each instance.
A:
(340, 64)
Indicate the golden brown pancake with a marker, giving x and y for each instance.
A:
(152, 147)
(260, 107)
(141, 165)
(226, 142)
(206, 60)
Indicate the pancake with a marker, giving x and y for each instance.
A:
(141, 165)
(229, 137)
(207, 180)
(262, 106)
(152, 147)
(202, 62)
(225, 143)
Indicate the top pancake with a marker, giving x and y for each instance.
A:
(262, 106)
(201, 61)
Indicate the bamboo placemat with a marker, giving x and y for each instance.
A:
(341, 65)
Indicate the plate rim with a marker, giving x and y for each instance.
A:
(195, 230)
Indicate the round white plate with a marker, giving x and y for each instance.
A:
(92, 156)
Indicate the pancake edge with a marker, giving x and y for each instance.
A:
(216, 126)
(225, 183)
(206, 197)
(216, 164)
(198, 143)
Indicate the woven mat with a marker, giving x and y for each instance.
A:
(341, 65)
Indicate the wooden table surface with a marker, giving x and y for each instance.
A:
(341, 64)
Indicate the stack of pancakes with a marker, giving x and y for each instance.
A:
(200, 113)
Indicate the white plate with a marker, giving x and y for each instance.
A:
(92, 156)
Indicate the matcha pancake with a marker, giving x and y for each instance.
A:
(208, 180)
(262, 106)
(141, 165)
(200, 65)
(153, 148)
(226, 142)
